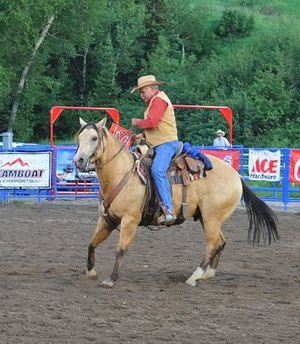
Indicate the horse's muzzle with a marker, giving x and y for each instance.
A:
(84, 165)
(80, 162)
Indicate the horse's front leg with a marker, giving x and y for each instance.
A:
(101, 234)
(127, 233)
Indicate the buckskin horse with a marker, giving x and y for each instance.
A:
(211, 200)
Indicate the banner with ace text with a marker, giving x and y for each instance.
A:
(264, 165)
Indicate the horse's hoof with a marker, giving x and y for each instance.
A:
(92, 273)
(108, 282)
(210, 273)
(191, 281)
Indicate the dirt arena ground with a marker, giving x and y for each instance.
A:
(46, 298)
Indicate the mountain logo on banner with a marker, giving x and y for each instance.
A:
(18, 160)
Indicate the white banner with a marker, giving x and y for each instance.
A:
(25, 170)
(264, 165)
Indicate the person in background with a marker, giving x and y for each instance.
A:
(221, 141)
(160, 131)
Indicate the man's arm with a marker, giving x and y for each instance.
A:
(155, 114)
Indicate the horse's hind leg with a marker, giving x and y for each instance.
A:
(101, 234)
(215, 244)
(127, 233)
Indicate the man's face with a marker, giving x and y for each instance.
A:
(219, 134)
(147, 93)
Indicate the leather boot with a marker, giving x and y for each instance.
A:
(167, 219)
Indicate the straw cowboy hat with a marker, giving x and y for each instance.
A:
(220, 132)
(147, 80)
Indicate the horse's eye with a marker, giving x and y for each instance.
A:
(94, 138)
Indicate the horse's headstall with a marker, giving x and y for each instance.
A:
(100, 134)
(88, 126)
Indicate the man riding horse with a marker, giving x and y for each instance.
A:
(211, 200)
(161, 135)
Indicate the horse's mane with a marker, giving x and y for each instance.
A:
(107, 133)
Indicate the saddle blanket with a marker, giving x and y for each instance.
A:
(182, 170)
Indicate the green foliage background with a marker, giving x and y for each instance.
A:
(244, 54)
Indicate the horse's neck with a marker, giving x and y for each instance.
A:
(111, 173)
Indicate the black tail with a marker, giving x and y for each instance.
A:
(261, 217)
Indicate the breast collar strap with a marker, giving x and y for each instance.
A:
(106, 202)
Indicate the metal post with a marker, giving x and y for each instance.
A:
(285, 177)
(7, 140)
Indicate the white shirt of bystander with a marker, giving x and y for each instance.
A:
(221, 142)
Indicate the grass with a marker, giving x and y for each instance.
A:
(264, 11)
(265, 184)
(57, 142)
(265, 7)
(17, 202)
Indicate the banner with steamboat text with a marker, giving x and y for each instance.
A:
(20, 170)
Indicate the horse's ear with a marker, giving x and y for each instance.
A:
(82, 122)
(102, 123)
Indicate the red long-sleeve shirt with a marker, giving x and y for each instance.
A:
(155, 114)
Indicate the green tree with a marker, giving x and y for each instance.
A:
(95, 50)
(23, 28)
(106, 88)
(235, 24)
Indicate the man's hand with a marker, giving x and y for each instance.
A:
(134, 122)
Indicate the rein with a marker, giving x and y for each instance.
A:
(109, 159)
(116, 154)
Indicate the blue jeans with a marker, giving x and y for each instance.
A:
(163, 156)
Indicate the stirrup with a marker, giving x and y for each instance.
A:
(168, 219)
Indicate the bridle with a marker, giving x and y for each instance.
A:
(100, 135)
(105, 203)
